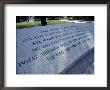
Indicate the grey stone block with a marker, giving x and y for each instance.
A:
(50, 49)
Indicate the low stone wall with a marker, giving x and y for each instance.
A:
(50, 49)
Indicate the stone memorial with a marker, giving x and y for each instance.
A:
(50, 49)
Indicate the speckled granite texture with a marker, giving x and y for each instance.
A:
(84, 64)
(51, 49)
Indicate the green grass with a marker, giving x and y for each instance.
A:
(27, 24)
(37, 23)
(56, 22)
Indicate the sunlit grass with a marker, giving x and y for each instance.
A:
(56, 22)
(38, 23)
(27, 24)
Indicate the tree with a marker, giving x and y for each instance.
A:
(21, 18)
(37, 18)
(17, 19)
(43, 20)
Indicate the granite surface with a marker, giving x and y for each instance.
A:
(52, 48)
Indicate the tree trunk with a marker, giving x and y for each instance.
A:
(43, 21)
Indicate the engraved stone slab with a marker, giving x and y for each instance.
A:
(50, 49)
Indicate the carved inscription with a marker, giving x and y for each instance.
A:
(48, 46)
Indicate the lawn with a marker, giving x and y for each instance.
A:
(38, 23)
(56, 22)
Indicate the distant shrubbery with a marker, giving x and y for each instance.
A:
(29, 21)
(85, 18)
(39, 18)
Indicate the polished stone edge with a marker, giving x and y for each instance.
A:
(81, 64)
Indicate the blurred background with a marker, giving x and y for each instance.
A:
(30, 21)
